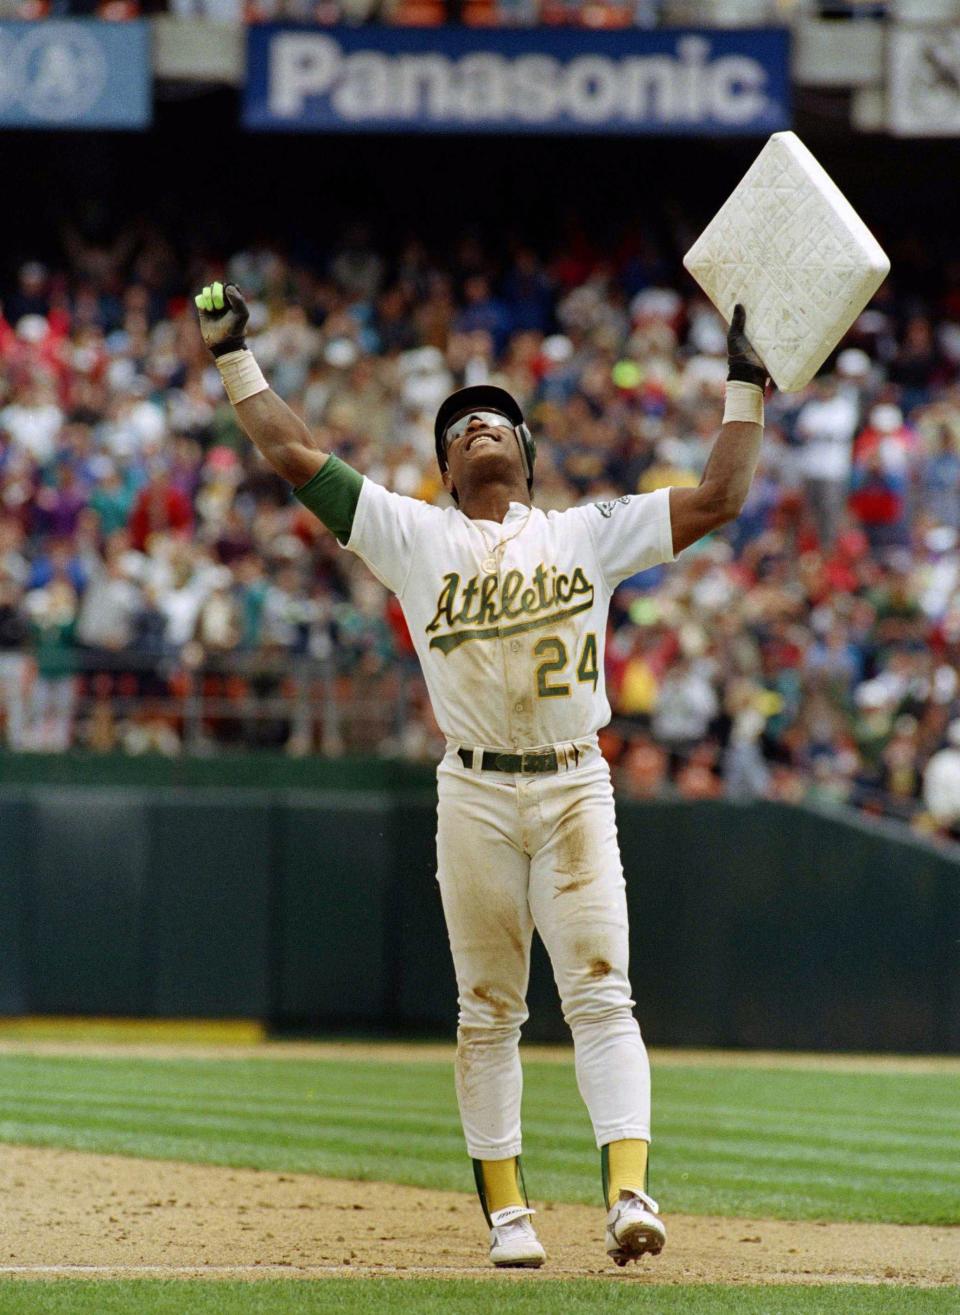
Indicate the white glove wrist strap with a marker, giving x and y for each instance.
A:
(241, 375)
(744, 402)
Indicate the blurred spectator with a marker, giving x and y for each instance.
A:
(52, 612)
(686, 705)
(644, 768)
(697, 776)
(33, 419)
(14, 661)
(158, 508)
(745, 773)
(826, 424)
(940, 480)
(111, 600)
(483, 311)
(941, 782)
(32, 293)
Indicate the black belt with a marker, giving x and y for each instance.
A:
(539, 760)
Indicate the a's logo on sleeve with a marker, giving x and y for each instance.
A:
(606, 509)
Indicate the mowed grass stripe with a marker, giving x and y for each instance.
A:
(796, 1144)
(109, 1113)
(677, 1109)
(740, 1155)
(758, 1095)
(279, 1150)
(738, 1141)
(239, 1106)
(458, 1297)
(272, 1150)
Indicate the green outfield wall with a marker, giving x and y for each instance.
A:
(752, 925)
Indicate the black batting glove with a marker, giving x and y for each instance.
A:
(743, 363)
(223, 315)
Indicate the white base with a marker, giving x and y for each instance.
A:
(789, 246)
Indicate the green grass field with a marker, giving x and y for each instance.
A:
(463, 1297)
(794, 1144)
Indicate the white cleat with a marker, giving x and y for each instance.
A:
(513, 1243)
(634, 1228)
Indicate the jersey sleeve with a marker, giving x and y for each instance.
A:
(379, 526)
(384, 533)
(630, 534)
(332, 495)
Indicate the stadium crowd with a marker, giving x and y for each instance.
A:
(604, 14)
(160, 589)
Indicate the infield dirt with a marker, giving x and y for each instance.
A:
(70, 1213)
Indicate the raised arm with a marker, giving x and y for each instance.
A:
(721, 493)
(281, 436)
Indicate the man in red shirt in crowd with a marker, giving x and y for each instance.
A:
(159, 508)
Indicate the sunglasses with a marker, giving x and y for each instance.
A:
(490, 419)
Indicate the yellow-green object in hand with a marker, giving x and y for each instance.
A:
(211, 298)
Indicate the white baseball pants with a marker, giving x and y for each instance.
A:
(517, 852)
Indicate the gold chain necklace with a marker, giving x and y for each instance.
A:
(491, 563)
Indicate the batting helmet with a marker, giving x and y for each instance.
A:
(485, 397)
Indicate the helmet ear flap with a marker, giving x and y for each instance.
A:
(528, 450)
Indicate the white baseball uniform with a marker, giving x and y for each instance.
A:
(511, 642)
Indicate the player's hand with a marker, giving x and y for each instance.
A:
(223, 317)
(742, 361)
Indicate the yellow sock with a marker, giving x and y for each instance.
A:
(500, 1184)
(626, 1166)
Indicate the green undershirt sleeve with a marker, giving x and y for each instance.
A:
(332, 495)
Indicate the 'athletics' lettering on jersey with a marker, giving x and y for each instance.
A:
(476, 609)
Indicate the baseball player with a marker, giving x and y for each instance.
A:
(507, 607)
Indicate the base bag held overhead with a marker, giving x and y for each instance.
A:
(789, 246)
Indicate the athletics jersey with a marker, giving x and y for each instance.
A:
(512, 656)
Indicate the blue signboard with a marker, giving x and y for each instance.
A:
(530, 80)
(75, 73)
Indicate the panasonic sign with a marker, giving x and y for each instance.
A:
(456, 80)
